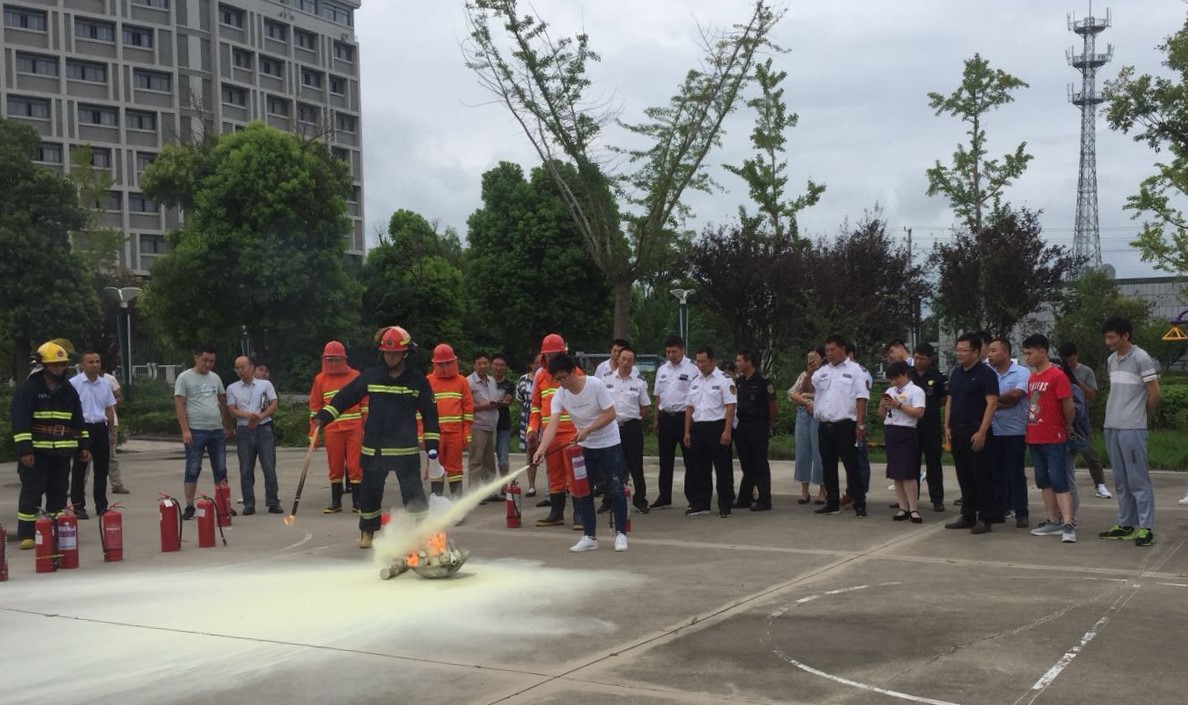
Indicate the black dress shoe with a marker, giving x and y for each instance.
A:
(760, 507)
(248, 511)
(275, 509)
(741, 504)
(660, 504)
(960, 524)
(642, 507)
(604, 508)
(827, 510)
(81, 513)
(938, 506)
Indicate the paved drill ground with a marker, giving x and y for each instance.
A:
(775, 607)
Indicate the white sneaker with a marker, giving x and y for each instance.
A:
(586, 543)
(1103, 492)
(1183, 501)
(620, 541)
(891, 487)
(1068, 534)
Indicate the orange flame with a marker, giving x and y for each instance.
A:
(437, 545)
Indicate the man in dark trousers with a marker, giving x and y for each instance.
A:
(840, 406)
(936, 393)
(709, 434)
(756, 412)
(48, 430)
(671, 392)
(973, 397)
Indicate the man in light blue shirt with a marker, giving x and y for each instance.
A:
(252, 402)
(1010, 431)
(98, 406)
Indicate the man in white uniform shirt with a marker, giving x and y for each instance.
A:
(610, 365)
(709, 427)
(840, 407)
(630, 394)
(671, 390)
(589, 406)
(98, 406)
(252, 402)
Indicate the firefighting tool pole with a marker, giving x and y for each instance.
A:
(512, 492)
(169, 513)
(578, 481)
(205, 510)
(313, 442)
(67, 527)
(111, 534)
(222, 500)
(45, 544)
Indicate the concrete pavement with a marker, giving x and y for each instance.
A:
(775, 607)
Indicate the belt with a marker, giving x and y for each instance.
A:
(708, 423)
(673, 413)
(831, 424)
(57, 431)
(96, 423)
(629, 421)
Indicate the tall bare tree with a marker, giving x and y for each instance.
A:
(543, 82)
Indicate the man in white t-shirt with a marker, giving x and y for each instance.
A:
(113, 470)
(589, 406)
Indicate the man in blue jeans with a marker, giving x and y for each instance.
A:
(200, 401)
(252, 402)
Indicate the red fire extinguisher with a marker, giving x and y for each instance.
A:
(45, 548)
(578, 480)
(3, 554)
(222, 500)
(111, 535)
(171, 524)
(204, 513)
(67, 525)
(512, 492)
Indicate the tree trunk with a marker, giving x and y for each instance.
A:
(21, 353)
(622, 292)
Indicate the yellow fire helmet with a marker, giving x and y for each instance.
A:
(50, 353)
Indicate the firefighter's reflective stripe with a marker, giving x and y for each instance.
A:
(26, 517)
(84, 433)
(53, 415)
(412, 450)
(449, 419)
(391, 389)
(330, 394)
(334, 412)
(370, 515)
(438, 396)
(18, 437)
(50, 445)
(546, 412)
(468, 417)
(432, 436)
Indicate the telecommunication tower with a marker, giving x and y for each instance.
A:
(1086, 236)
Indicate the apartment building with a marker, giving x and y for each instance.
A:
(129, 76)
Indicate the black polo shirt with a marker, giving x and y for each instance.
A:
(936, 390)
(754, 396)
(967, 393)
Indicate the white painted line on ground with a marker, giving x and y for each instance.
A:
(1069, 655)
(862, 686)
(1174, 584)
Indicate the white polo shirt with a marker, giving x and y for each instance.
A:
(584, 408)
(672, 385)
(908, 395)
(96, 397)
(605, 370)
(628, 394)
(709, 396)
(838, 387)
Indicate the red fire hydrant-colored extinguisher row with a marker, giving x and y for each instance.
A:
(67, 526)
(169, 512)
(45, 547)
(512, 494)
(579, 481)
(111, 535)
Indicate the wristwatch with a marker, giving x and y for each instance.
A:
(861, 427)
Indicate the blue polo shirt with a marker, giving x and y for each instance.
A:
(1012, 421)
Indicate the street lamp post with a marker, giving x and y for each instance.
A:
(124, 329)
(682, 296)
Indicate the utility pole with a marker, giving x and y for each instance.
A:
(1086, 236)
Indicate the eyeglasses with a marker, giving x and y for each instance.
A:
(560, 377)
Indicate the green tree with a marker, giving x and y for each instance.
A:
(1155, 110)
(1023, 271)
(544, 84)
(974, 184)
(410, 280)
(263, 245)
(528, 272)
(45, 292)
(1089, 301)
(766, 172)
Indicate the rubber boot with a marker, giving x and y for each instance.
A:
(577, 518)
(456, 490)
(335, 500)
(365, 538)
(437, 487)
(354, 490)
(556, 515)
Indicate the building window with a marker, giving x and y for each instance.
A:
(19, 106)
(346, 123)
(152, 81)
(86, 71)
(234, 96)
(278, 106)
(242, 59)
(354, 197)
(153, 245)
(335, 13)
(20, 18)
(305, 40)
(163, 4)
(138, 120)
(341, 153)
(311, 79)
(110, 201)
(308, 6)
(138, 37)
(272, 67)
(143, 159)
(344, 52)
(338, 85)
(276, 31)
(96, 115)
(100, 158)
(137, 203)
(90, 29)
(231, 16)
(37, 64)
(49, 153)
(308, 114)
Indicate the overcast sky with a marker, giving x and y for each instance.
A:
(858, 75)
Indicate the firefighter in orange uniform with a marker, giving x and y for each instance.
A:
(455, 414)
(344, 436)
(557, 464)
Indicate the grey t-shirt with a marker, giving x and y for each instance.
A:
(1086, 376)
(201, 393)
(1126, 407)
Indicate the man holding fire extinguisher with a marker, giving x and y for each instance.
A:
(48, 430)
(588, 405)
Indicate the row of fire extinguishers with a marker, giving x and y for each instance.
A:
(579, 480)
(208, 513)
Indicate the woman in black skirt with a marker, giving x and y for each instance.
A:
(901, 407)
